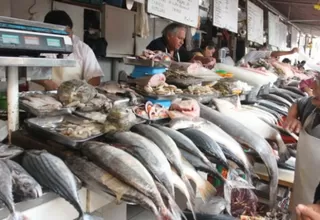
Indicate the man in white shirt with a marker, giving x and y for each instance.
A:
(263, 53)
(87, 67)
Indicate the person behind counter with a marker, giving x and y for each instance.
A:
(206, 49)
(286, 60)
(263, 53)
(304, 117)
(171, 42)
(87, 67)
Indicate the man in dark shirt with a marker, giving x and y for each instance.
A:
(171, 42)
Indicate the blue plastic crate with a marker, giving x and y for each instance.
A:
(141, 71)
(164, 103)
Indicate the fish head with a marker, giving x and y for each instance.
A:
(9, 151)
(24, 185)
(183, 123)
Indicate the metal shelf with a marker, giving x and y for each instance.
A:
(13, 64)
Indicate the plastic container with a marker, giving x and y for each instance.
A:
(165, 103)
(117, 3)
(141, 71)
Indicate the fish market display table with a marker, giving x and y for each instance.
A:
(52, 207)
(13, 64)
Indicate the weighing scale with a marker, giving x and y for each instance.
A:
(21, 43)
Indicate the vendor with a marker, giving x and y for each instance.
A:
(286, 60)
(171, 42)
(304, 117)
(206, 49)
(87, 67)
(263, 53)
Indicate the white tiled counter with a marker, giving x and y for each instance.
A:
(52, 207)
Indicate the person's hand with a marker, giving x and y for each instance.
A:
(295, 50)
(310, 212)
(292, 124)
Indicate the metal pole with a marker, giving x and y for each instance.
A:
(13, 100)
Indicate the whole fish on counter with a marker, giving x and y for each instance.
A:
(255, 125)
(6, 192)
(290, 93)
(51, 172)
(165, 143)
(218, 135)
(24, 185)
(127, 168)
(294, 90)
(97, 179)
(9, 151)
(249, 138)
(206, 144)
(278, 108)
(148, 154)
(273, 97)
(183, 142)
(283, 95)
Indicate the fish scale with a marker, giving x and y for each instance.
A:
(6, 187)
(54, 174)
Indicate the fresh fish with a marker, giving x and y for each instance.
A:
(249, 138)
(127, 168)
(183, 142)
(206, 144)
(24, 185)
(283, 95)
(273, 97)
(280, 109)
(210, 217)
(294, 83)
(216, 133)
(165, 143)
(199, 165)
(294, 89)
(255, 125)
(234, 158)
(263, 115)
(273, 112)
(206, 190)
(51, 172)
(290, 93)
(173, 207)
(98, 179)
(6, 191)
(148, 154)
(9, 151)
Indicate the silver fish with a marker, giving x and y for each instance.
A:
(97, 179)
(216, 133)
(273, 97)
(255, 125)
(290, 93)
(278, 108)
(283, 95)
(127, 168)
(294, 89)
(149, 155)
(24, 185)
(6, 191)
(51, 172)
(183, 142)
(249, 138)
(9, 151)
(206, 144)
(165, 143)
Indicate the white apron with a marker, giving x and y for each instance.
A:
(61, 74)
(306, 179)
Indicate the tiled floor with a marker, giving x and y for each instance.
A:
(138, 213)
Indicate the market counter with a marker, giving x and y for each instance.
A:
(52, 207)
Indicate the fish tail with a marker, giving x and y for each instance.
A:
(206, 190)
(284, 153)
(175, 210)
(188, 185)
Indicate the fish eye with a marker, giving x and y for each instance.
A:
(17, 172)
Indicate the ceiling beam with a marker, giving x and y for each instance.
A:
(288, 2)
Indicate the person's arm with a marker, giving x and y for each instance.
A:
(48, 85)
(284, 53)
(92, 71)
(310, 212)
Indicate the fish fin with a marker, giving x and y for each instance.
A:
(207, 191)
(284, 153)
(87, 216)
(189, 186)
